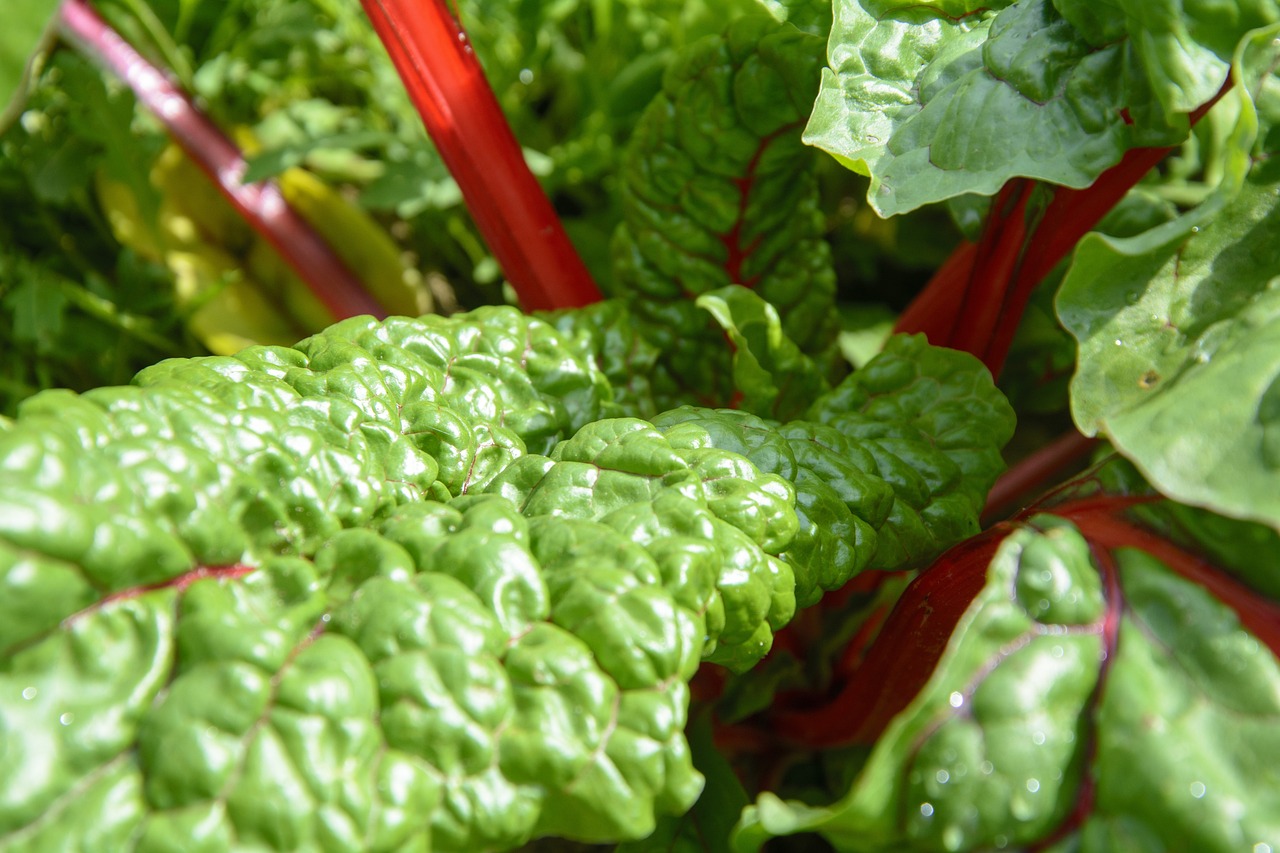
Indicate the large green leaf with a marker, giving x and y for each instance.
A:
(1179, 329)
(935, 100)
(1086, 702)
(27, 23)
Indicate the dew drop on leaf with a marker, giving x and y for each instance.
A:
(943, 777)
(957, 699)
(926, 809)
(1197, 789)
(1033, 785)
(29, 693)
(67, 718)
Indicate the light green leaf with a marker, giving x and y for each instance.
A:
(1179, 331)
(27, 26)
(937, 100)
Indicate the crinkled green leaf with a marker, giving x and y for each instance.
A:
(719, 190)
(934, 423)
(936, 100)
(893, 470)
(771, 373)
(28, 24)
(626, 474)
(1179, 331)
(451, 677)
(606, 331)
(708, 825)
(1043, 724)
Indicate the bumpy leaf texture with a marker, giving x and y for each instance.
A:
(889, 469)
(336, 597)
(937, 99)
(1179, 327)
(719, 190)
(1091, 699)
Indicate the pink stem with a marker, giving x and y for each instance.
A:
(448, 86)
(261, 204)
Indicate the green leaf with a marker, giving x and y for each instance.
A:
(717, 189)
(773, 376)
(628, 475)
(937, 100)
(976, 756)
(1087, 701)
(28, 25)
(1179, 331)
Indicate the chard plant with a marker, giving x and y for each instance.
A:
(710, 564)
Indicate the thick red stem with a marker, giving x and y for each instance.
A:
(904, 653)
(1030, 476)
(448, 86)
(261, 204)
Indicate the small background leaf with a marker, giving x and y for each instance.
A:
(26, 25)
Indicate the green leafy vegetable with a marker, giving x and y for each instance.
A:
(727, 199)
(1065, 676)
(1181, 321)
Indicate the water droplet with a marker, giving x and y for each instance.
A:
(926, 809)
(1262, 846)
(1057, 651)
(1197, 789)
(957, 699)
(326, 617)
(1119, 342)
(1195, 229)
(29, 693)
(526, 76)
(988, 768)
(874, 140)
(943, 777)
(67, 718)
(1033, 785)
(1038, 738)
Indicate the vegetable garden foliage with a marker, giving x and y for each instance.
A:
(663, 571)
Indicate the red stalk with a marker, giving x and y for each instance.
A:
(261, 204)
(448, 86)
(1258, 614)
(1029, 477)
(975, 303)
(904, 654)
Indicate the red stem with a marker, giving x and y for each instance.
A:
(261, 204)
(448, 86)
(980, 300)
(1258, 614)
(1030, 476)
(904, 654)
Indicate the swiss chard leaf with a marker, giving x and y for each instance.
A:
(718, 190)
(775, 378)
(937, 100)
(1123, 742)
(1179, 329)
